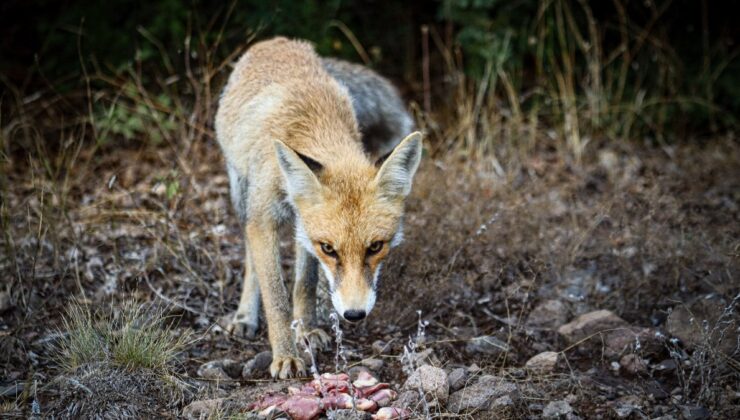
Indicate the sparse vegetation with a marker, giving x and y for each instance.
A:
(580, 153)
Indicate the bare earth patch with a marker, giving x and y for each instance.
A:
(503, 270)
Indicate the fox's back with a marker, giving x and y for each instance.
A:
(278, 60)
(279, 90)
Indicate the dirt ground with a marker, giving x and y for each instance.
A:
(644, 232)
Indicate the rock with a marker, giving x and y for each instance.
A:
(487, 344)
(695, 412)
(432, 381)
(213, 371)
(232, 368)
(645, 341)
(705, 322)
(665, 366)
(457, 379)
(380, 346)
(258, 364)
(350, 415)
(590, 323)
(473, 369)
(633, 364)
(481, 394)
(544, 362)
(556, 409)
(626, 405)
(373, 364)
(549, 314)
(203, 409)
(407, 399)
(500, 402)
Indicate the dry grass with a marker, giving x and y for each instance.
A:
(133, 338)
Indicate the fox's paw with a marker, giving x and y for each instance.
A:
(241, 325)
(317, 338)
(284, 367)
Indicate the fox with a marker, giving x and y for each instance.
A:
(329, 146)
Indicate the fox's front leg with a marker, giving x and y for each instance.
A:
(246, 319)
(264, 247)
(304, 299)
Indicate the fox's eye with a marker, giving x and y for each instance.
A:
(375, 247)
(328, 249)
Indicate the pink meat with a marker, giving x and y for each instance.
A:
(306, 390)
(364, 379)
(363, 404)
(369, 390)
(268, 400)
(336, 400)
(383, 397)
(328, 382)
(392, 413)
(302, 407)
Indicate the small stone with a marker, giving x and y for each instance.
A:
(645, 341)
(633, 364)
(213, 371)
(626, 405)
(407, 399)
(232, 368)
(556, 409)
(457, 379)
(487, 344)
(432, 381)
(380, 347)
(202, 409)
(481, 394)
(349, 414)
(473, 369)
(544, 362)
(258, 364)
(667, 366)
(549, 314)
(373, 364)
(589, 324)
(695, 412)
(504, 401)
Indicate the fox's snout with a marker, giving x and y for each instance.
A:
(355, 306)
(354, 315)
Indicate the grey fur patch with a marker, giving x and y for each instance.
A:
(239, 188)
(312, 271)
(380, 111)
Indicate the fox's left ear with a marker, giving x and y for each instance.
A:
(397, 172)
(299, 172)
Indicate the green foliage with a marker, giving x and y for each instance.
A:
(133, 118)
(629, 69)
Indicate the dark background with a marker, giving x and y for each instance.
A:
(685, 50)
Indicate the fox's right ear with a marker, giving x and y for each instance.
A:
(299, 172)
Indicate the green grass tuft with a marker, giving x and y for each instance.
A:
(136, 338)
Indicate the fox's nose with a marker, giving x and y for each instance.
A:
(354, 315)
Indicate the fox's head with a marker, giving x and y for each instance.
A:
(349, 216)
